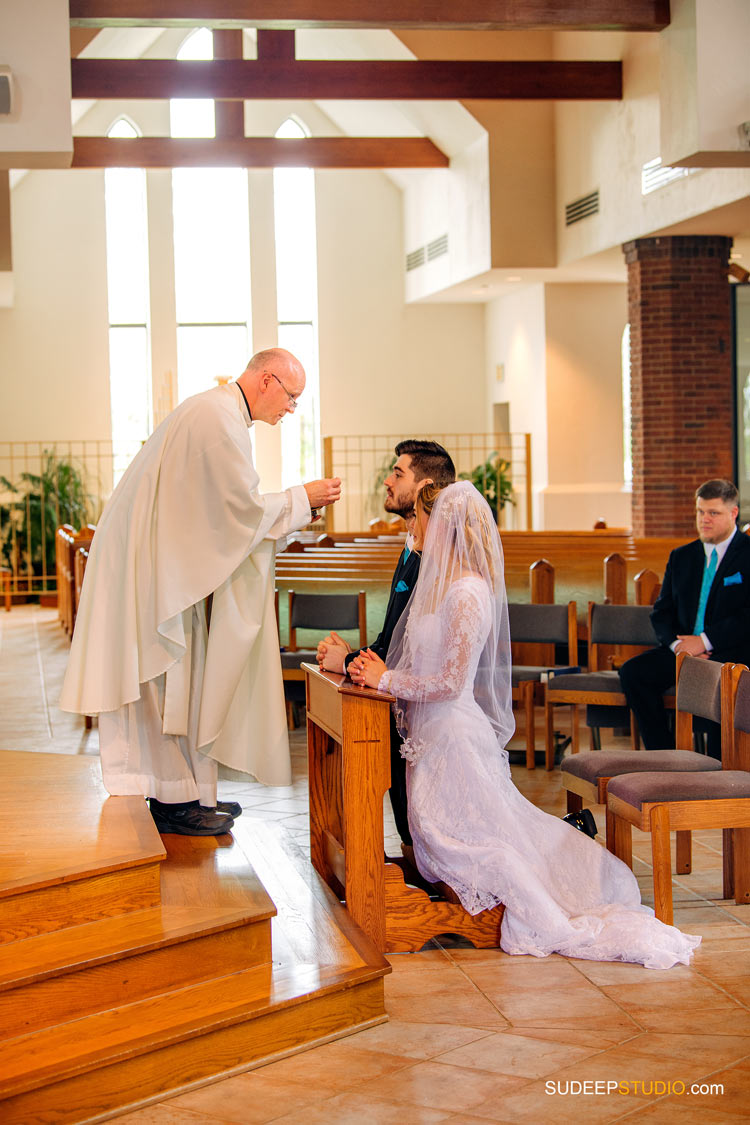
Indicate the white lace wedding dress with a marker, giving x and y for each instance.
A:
(563, 892)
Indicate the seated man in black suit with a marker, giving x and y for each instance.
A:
(703, 609)
(417, 462)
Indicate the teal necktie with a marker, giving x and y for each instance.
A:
(708, 576)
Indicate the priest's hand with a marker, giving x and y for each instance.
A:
(322, 492)
(331, 653)
(367, 668)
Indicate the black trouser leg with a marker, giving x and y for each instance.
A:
(397, 791)
(645, 678)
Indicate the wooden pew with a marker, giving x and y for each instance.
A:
(63, 540)
(6, 582)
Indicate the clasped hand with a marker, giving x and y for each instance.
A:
(331, 652)
(366, 668)
(691, 644)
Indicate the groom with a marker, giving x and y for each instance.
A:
(417, 463)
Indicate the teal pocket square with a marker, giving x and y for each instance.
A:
(733, 579)
(402, 588)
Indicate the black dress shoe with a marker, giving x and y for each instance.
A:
(229, 808)
(583, 821)
(189, 819)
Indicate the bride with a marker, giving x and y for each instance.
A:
(449, 667)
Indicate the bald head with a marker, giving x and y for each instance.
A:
(272, 381)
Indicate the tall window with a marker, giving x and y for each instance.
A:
(297, 308)
(128, 301)
(211, 250)
(627, 450)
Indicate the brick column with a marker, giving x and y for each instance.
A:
(681, 375)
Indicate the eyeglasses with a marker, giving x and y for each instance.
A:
(291, 397)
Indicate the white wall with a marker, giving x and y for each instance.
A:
(559, 348)
(514, 334)
(37, 133)
(605, 144)
(54, 363)
(387, 367)
(584, 326)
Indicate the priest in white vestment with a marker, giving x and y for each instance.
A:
(174, 697)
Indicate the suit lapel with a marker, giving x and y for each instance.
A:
(725, 567)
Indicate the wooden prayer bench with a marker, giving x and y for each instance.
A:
(348, 740)
(6, 582)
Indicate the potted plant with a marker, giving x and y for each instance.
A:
(492, 479)
(34, 507)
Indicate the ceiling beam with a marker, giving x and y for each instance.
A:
(451, 80)
(477, 15)
(257, 152)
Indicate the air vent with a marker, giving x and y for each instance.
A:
(437, 247)
(582, 208)
(415, 259)
(655, 175)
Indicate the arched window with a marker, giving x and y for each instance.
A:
(211, 250)
(297, 307)
(128, 303)
(627, 451)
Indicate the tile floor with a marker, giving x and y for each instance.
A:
(474, 1036)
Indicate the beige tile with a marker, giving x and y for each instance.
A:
(582, 1037)
(680, 995)
(541, 1103)
(682, 1110)
(165, 1114)
(621, 972)
(707, 1021)
(437, 1086)
(416, 1040)
(338, 1066)
(346, 1109)
(713, 1050)
(524, 1056)
(451, 1003)
(254, 1098)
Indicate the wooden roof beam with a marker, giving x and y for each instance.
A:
(477, 15)
(257, 152)
(320, 80)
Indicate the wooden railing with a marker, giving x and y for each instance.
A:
(362, 461)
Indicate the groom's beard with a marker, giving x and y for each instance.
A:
(404, 509)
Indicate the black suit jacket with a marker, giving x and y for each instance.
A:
(404, 581)
(727, 620)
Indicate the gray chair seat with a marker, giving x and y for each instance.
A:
(639, 788)
(291, 660)
(520, 673)
(587, 681)
(594, 765)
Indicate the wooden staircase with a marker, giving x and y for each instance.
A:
(134, 967)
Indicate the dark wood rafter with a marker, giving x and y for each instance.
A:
(320, 80)
(257, 152)
(229, 116)
(477, 15)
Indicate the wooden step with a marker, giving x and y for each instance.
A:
(58, 977)
(145, 1052)
(73, 854)
(189, 1003)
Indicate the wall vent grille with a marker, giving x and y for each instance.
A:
(437, 247)
(655, 175)
(415, 259)
(582, 208)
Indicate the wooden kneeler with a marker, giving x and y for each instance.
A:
(348, 739)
